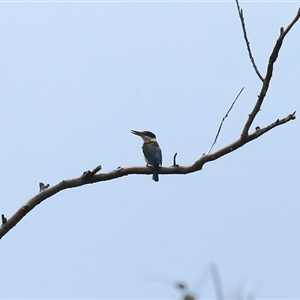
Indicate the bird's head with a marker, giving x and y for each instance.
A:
(145, 135)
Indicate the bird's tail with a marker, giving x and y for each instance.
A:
(155, 174)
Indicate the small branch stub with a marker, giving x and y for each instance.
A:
(90, 174)
(43, 186)
(174, 160)
(4, 220)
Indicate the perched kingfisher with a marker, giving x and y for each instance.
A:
(151, 150)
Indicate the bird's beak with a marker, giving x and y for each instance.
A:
(137, 133)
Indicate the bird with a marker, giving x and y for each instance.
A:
(151, 150)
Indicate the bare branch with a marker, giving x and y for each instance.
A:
(124, 171)
(226, 115)
(240, 11)
(285, 32)
(269, 74)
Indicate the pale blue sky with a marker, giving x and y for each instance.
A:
(75, 78)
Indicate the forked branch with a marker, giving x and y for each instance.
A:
(267, 80)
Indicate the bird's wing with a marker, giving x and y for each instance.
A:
(152, 152)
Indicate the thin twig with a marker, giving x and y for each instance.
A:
(240, 11)
(219, 130)
(292, 23)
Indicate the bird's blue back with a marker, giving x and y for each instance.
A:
(152, 153)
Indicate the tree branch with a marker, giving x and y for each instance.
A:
(124, 171)
(240, 11)
(269, 74)
(226, 115)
